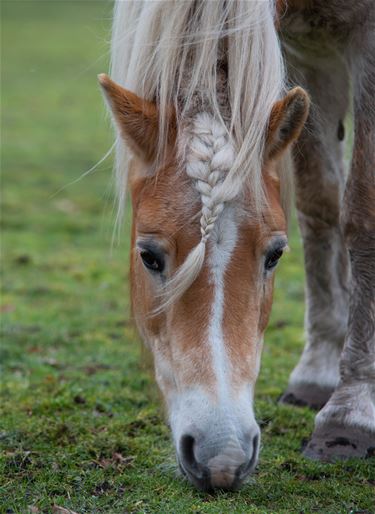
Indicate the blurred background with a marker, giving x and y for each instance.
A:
(57, 223)
(80, 424)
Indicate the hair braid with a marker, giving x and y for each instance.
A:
(209, 154)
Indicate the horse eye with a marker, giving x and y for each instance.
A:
(152, 261)
(273, 258)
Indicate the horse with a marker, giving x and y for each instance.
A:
(218, 107)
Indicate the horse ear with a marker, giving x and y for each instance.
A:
(286, 121)
(136, 118)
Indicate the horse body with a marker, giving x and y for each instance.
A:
(211, 132)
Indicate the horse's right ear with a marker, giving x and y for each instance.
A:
(137, 119)
(286, 121)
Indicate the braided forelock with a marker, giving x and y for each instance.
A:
(209, 155)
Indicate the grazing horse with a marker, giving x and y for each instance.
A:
(215, 117)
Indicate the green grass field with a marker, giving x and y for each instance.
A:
(81, 426)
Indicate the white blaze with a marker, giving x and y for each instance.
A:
(223, 243)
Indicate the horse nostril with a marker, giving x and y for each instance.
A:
(188, 461)
(248, 468)
(254, 456)
(244, 470)
(187, 451)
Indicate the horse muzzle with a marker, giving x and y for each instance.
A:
(218, 460)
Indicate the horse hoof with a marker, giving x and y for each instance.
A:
(306, 395)
(331, 443)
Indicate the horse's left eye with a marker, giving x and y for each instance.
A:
(273, 258)
(152, 261)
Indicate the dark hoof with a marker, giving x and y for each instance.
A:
(331, 443)
(306, 395)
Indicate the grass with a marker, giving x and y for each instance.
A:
(80, 424)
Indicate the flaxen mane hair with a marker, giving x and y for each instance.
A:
(219, 64)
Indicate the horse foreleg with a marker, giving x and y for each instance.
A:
(320, 183)
(345, 427)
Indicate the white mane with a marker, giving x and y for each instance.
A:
(174, 52)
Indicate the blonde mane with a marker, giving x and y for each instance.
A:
(174, 52)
